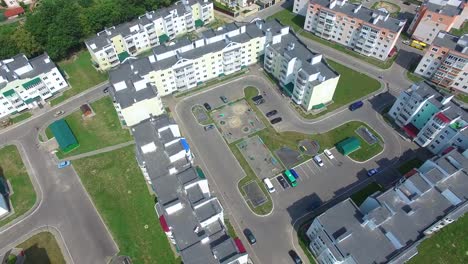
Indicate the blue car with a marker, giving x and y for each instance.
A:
(64, 164)
(294, 173)
(372, 172)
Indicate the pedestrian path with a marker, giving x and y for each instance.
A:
(103, 150)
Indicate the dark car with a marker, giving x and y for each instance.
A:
(208, 127)
(283, 182)
(276, 120)
(258, 99)
(207, 106)
(106, 90)
(271, 113)
(295, 257)
(250, 236)
(406, 3)
(224, 99)
(372, 172)
(356, 105)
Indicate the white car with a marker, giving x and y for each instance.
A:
(328, 154)
(269, 185)
(318, 160)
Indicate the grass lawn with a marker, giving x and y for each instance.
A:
(462, 97)
(14, 171)
(230, 229)
(296, 22)
(116, 185)
(352, 86)
(360, 196)
(461, 31)
(42, 249)
(394, 9)
(304, 241)
(81, 73)
(20, 117)
(101, 130)
(413, 77)
(449, 245)
(409, 165)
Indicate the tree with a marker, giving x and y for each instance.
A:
(25, 42)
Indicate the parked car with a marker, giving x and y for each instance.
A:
(356, 105)
(283, 182)
(295, 257)
(328, 154)
(269, 185)
(64, 164)
(407, 3)
(318, 160)
(207, 106)
(258, 99)
(372, 172)
(106, 90)
(59, 113)
(275, 120)
(271, 113)
(208, 127)
(250, 236)
(224, 99)
(294, 173)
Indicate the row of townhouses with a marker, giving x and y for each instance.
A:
(388, 226)
(368, 32)
(431, 119)
(445, 62)
(113, 45)
(185, 65)
(26, 82)
(433, 16)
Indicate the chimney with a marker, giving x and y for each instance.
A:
(291, 46)
(332, 4)
(386, 17)
(357, 8)
(441, 34)
(446, 99)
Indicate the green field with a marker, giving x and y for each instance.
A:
(118, 189)
(20, 117)
(13, 170)
(102, 130)
(42, 249)
(81, 73)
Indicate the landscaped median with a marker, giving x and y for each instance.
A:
(117, 188)
(42, 248)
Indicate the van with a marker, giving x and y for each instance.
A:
(318, 160)
(269, 185)
(356, 105)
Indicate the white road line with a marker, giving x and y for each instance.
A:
(310, 166)
(304, 172)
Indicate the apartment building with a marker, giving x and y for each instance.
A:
(445, 62)
(16, 3)
(302, 74)
(388, 226)
(114, 45)
(191, 217)
(26, 82)
(135, 99)
(369, 32)
(437, 15)
(430, 118)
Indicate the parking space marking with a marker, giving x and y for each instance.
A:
(303, 172)
(310, 167)
(327, 159)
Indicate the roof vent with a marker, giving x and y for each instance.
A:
(291, 46)
(357, 8)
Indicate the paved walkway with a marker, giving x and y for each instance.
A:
(102, 150)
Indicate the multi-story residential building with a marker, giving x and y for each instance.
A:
(16, 3)
(445, 63)
(304, 75)
(430, 118)
(387, 227)
(113, 45)
(25, 82)
(437, 15)
(135, 99)
(366, 31)
(191, 217)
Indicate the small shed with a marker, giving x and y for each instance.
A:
(348, 145)
(64, 135)
(13, 12)
(86, 110)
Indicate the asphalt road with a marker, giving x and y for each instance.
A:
(63, 203)
(275, 234)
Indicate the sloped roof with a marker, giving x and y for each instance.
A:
(63, 135)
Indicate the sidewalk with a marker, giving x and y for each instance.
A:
(99, 151)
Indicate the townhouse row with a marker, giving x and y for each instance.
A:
(431, 119)
(113, 45)
(369, 32)
(24, 83)
(388, 226)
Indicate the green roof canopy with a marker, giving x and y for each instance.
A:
(199, 23)
(31, 83)
(123, 55)
(163, 38)
(9, 92)
(319, 106)
(348, 145)
(64, 135)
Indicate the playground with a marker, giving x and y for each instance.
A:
(259, 157)
(236, 121)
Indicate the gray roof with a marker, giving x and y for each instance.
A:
(40, 64)
(445, 9)
(455, 43)
(365, 14)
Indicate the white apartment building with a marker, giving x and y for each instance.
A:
(430, 118)
(16, 3)
(113, 45)
(25, 82)
(369, 32)
(302, 74)
(445, 62)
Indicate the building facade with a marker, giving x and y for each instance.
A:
(437, 15)
(302, 74)
(113, 45)
(430, 118)
(16, 3)
(369, 32)
(388, 226)
(445, 62)
(26, 82)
